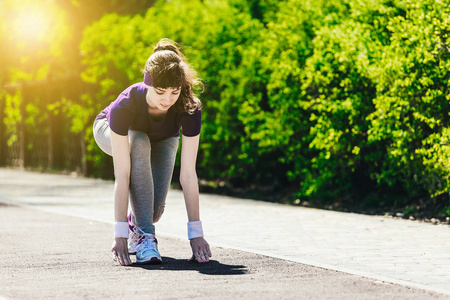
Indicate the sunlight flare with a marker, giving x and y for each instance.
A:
(31, 23)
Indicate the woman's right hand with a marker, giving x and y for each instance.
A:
(120, 251)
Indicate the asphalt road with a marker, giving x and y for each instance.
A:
(53, 256)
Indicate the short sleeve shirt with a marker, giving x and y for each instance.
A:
(130, 111)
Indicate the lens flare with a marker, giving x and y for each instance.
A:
(30, 24)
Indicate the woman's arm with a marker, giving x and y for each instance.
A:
(189, 183)
(188, 176)
(122, 165)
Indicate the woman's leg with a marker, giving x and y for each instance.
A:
(141, 181)
(102, 135)
(163, 161)
(151, 171)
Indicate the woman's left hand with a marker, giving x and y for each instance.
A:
(200, 250)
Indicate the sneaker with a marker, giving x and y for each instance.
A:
(147, 250)
(133, 237)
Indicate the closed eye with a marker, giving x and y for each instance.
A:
(159, 92)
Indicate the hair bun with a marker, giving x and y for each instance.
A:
(167, 44)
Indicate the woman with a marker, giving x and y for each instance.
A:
(140, 129)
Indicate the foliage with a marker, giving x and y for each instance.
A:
(339, 101)
(12, 117)
(346, 100)
(412, 103)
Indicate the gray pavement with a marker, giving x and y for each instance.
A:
(403, 252)
(53, 256)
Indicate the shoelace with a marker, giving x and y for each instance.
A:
(134, 236)
(142, 238)
(147, 240)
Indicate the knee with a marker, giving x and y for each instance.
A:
(157, 214)
(139, 141)
(156, 218)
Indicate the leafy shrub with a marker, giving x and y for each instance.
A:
(341, 101)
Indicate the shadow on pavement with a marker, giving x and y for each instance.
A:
(213, 267)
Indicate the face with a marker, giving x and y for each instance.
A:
(162, 99)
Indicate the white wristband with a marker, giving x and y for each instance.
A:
(121, 230)
(195, 229)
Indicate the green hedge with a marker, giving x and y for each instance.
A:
(336, 100)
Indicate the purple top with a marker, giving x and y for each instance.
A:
(130, 111)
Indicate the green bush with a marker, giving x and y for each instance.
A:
(411, 111)
(339, 101)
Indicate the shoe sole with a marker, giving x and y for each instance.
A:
(152, 261)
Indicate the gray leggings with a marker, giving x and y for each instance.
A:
(151, 172)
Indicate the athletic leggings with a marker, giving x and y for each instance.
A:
(151, 172)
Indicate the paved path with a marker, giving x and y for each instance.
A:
(399, 251)
(54, 256)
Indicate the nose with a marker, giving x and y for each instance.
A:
(166, 99)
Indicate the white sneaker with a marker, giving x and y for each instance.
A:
(147, 250)
(133, 237)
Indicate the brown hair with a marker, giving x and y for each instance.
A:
(168, 68)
